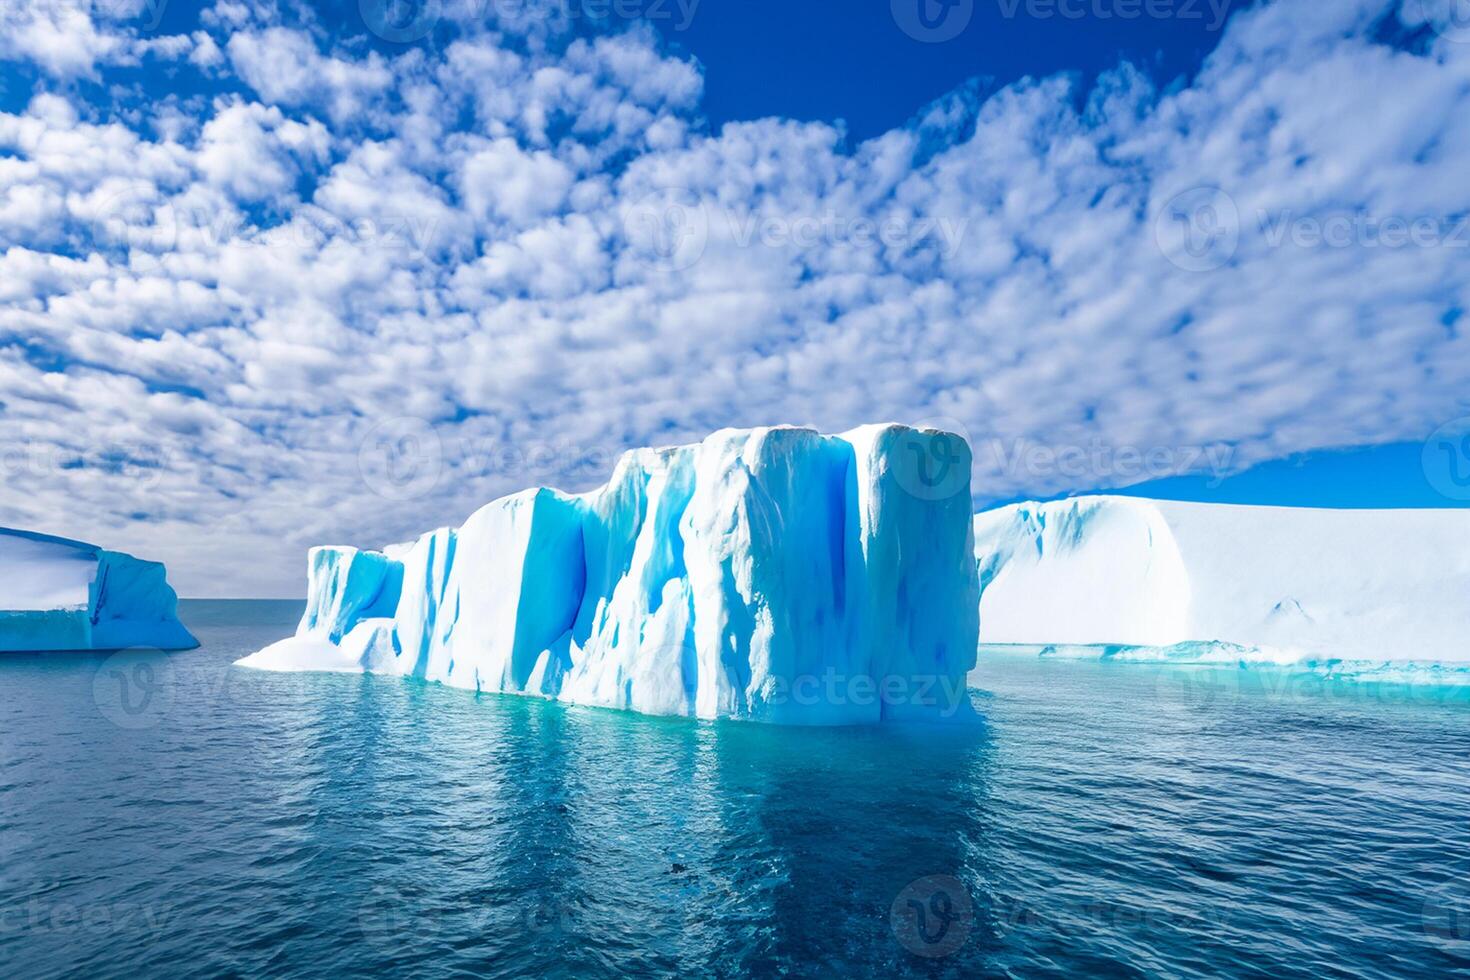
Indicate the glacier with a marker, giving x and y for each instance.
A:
(772, 574)
(59, 594)
(1171, 581)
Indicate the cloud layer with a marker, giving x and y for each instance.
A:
(272, 283)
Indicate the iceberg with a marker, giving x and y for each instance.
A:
(1175, 581)
(773, 574)
(58, 594)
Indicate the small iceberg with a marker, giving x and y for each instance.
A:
(58, 594)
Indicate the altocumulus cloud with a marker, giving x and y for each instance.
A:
(270, 282)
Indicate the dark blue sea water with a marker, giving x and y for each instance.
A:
(167, 815)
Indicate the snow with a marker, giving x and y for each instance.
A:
(1288, 584)
(772, 574)
(58, 594)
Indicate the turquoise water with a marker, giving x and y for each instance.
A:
(169, 815)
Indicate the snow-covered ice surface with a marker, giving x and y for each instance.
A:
(1144, 580)
(772, 574)
(57, 594)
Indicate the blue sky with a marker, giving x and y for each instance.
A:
(279, 274)
(827, 60)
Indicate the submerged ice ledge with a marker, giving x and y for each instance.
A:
(772, 574)
(58, 594)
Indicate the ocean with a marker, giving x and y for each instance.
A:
(171, 815)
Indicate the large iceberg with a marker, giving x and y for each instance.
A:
(1203, 581)
(57, 594)
(773, 574)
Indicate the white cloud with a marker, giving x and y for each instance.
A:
(539, 248)
(286, 68)
(500, 180)
(254, 152)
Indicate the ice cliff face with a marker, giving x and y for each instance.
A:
(1366, 584)
(57, 594)
(774, 574)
